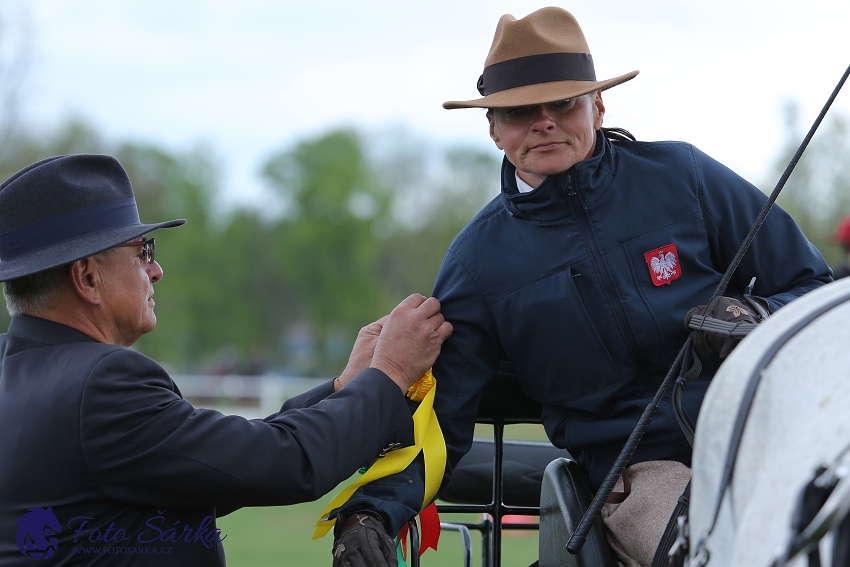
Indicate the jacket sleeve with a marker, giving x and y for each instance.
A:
(306, 399)
(786, 265)
(468, 360)
(146, 445)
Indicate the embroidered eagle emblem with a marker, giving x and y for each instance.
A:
(664, 266)
(737, 311)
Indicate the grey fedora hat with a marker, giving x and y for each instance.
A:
(65, 208)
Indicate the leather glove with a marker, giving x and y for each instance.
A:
(726, 309)
(363, 542)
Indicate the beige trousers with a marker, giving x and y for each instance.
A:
(635, 526)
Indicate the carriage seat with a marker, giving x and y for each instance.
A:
(536, 478)
(565, 495)
(522, 469)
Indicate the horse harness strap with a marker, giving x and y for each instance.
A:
(673, 546)
(744, 412)
(823, 503)
(694, 367)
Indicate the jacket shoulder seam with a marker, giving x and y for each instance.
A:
(473, 225)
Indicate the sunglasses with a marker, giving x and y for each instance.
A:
(149, 247)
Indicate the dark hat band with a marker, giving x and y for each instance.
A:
(68, 226)
(533, 69)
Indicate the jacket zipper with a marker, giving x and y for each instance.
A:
(607, 283)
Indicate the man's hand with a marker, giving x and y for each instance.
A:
(364, 348)
(410, 340)
(726, 309)
(363, 542)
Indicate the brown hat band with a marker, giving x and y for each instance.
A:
(534, 69)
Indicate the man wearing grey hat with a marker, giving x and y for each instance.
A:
(580, 273)
(101, 459)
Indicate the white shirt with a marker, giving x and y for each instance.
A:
(522, 185)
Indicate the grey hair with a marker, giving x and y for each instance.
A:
(29, 295)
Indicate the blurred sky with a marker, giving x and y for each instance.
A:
(253, 76)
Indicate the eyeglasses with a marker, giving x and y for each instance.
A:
(149, 247)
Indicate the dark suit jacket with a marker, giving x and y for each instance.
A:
(118, 469)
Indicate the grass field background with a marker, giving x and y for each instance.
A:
(280, 536)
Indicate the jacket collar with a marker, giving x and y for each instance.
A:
(549, 201)
(44, 331)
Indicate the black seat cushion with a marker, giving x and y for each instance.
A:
(565, 495)
(524, 463)
(503, 399)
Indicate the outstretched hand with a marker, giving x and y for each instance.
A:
(363, 350)
(410, 340)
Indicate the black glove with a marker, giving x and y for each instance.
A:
(363, 542)
(726, 309)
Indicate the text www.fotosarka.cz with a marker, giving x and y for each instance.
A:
(37, 529)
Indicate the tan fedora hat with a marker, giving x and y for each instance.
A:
(540, 58)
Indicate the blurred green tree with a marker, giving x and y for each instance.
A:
(189, 307)
(413, 250)
(362, 232)
(325, 250)
(25, 147)
(817, 194)
(243, 289)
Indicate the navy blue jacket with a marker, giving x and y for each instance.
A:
(99, 452)
(559, 282)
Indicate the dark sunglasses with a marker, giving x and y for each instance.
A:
(149, 247)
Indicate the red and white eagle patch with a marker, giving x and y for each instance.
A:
(663, 264)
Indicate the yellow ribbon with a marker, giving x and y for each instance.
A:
(428, 439)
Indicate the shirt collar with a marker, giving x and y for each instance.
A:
(522, 186)
(44, 331)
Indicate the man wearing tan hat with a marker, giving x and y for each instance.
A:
(580, 274)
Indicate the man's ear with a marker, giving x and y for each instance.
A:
(85, 280)
(494, 132)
